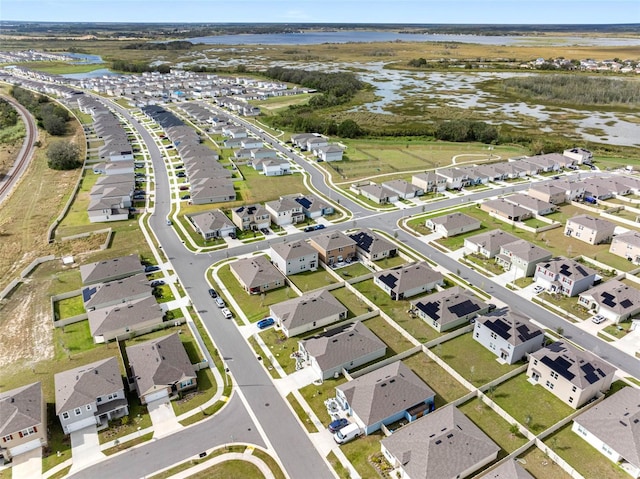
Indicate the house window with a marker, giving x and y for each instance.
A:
(65, 415)
(99, 400)
(554, 375)
(494, 336)
(549, 384)
(88, 407)
(27, 432)
(477, 335)
(7, 438)
(570, 399)
(573, 389)
(77, 411)
(535, 362)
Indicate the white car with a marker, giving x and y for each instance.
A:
(538, 289)
(598, 318)
(226, 312)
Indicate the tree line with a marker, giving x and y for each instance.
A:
(51, 116)
(8, 114)
(138, 67)
(175, 45)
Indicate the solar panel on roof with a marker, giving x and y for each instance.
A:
(304, 202)
(431, 309)
(500, 327)
(581, 270)
(87, 293)
(363, 240)
(389, 280)
(626, 303)
(464, 308)
(590, 373)
(564, 270)
(608, 299)
(559, 365)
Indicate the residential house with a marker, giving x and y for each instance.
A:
(565, 276)
(521, 256)
(513, 170)
(535, 205)
(114, 168)
(407, 281)
(429, 182)
(160, 368)
(102, 295)
(316, 143)
(509, 335)
(502, 208)
(449, 308)
(111, 269)
(492, 172)
(134, 317)
(455, 178)
(509, 469)
(612, 428)
(445, 444)
(314, 207)
(614, 300)
(212, 190)
(371, 246)
(385, 395)
(285, 211)
(272, 166)
(345, 347)
(257, 275)
(308, 312)
(403, 189)
(453, 224)
(580, 155)
(251, 217)
(488, 244)
(23, 420)
(590, 229)
(330, 153)
(573, 190)
(627, 245)
(301, 139)
(548, 192)
(572, 375)
(377, 193)
(334, 247)
(90, 395)
(250, 143)
(292, 257)
(212, 224)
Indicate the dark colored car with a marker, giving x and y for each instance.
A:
(320, 227)
(338, 424)
(151, 268)
(212, 293)
(309, 228)
(184, 188)
(181, 174)
(186, 197)
(157, 282)
(232, 236)
(265, 323)
(264, 231)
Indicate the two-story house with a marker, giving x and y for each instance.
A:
(251, 217)
(627, 245)
(565, 276)
(614, 300)
(521, 256)
(294, 257)
(23, 420)
(488, 244)
(429, 182)
(590, 229)
(334, 247)
(285, 211)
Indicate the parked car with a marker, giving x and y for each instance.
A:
(309, 228)
(538, 289)
(226, 312)
(320, 227)
(338, 424)
(169, 222)
(265, 323)
(179, 167)
(212, 293)
(181, 174)
(598, 318)
(220, 302)
(492, 307)
(157, 282)
(183, 187)
(151, 268)
(138, 197)
(186, 197)
(232, 236)
(264, 231)
(347, 433)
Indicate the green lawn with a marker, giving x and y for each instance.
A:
(387, 263)
(447, 389)
(532, 406)
(254, 306)
(397, 310)
(353, 270)
(569, 304)
(587, 460)
(310, 280)
(230, 469)
(355, 306)
(164, 294)
(315, 396)
(67, 308)
(455, 242)
(488, 264)
(304, 419)
(471, 360)
(73, 339)
(540, 466)
(396, 343)
(361, 450)
(493, 425)
(281, 347)
(193, 399)
(618, 330)
(138, 418)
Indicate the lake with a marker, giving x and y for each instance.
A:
(92, 74)
(360, 36)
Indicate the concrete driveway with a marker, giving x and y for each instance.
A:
(85, 448)
(28, 465)
(163, 418)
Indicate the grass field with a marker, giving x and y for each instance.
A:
(540, 466)
(310, 280)
(66, 308)
(447, 389)
(396, 343)
(355, 306)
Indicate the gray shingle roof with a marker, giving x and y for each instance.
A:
(615, 296)
(616, 422)
(371, 242)
(104, 270)
(455, 220)
(20, 408)
(568, 268)
(449, 305)
(159, 363)
(514, 327)
(442, 444)
(293, 249)
(210, 221)
(409, 277)
(105, 320)
(492, 240)
(310, 307)
(333, 240)
(508, 470)
(256, 271)
(384, 392)
(525, 250)
(591, 222)
(82, 385)
(116, 290)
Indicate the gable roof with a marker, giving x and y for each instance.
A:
(82, 385)
(513, 327)
(384, 392)
(400, 186)
(293, 250)
(371, 242)
(115, 290)
(506, 208)
(305, 309)
(130, 314)
(455, 220)
(568, 268)
(408, 277)
(256, 271)
(615, 296)
(508, 470)
(283, 204)
(20, 408)
(492, 240)
(631, 237)
(616, 422)
(342, 344)
(581, 368)
(526, 251)
(213, 220)
(442, 444)
(449, 305)
(333, 240)
(159, 363)
(591, 222)
(99, 271)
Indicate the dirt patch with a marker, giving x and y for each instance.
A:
(8, 154)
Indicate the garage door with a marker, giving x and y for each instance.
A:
(156, 395)
(76, 426)
(22, 448)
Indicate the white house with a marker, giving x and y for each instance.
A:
(294, 257)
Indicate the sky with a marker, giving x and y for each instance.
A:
(326, 11)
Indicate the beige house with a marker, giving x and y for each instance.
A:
(23, 420)
(572, 375)
(285, 211)
(589, 229)
(548, 192)
(614, 300)
(334, 247)
(161, 368)
(407, 281)
(521, 256)
(504, 209)
(251, 217)
(453, 224)
(443, 444)
(449, 308)
(308, 312)
(627, 245)
(132, 318)
(257, 275)
(294, 257)
(488, 244)
(373, 247)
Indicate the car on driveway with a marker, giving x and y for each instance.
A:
(338, 424)
(598, 318)
(265, 323)
(151, 268)
(538, 289)
(186, 197)
(226, 312)
(212, 293)
(181, 174)
(264, 231)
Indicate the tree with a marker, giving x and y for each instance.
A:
(63, 155)
(349, 129)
